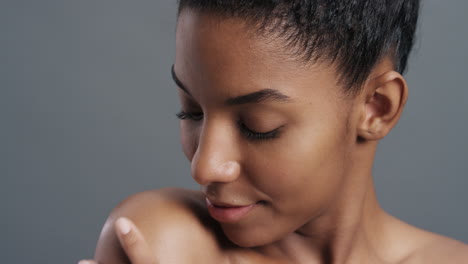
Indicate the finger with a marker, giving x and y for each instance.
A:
(133, 242)
(87, 261)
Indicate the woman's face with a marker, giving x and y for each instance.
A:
(259, 128)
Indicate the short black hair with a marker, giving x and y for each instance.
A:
(354, 34)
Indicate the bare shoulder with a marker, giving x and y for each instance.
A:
(175, 224)
(438, 249)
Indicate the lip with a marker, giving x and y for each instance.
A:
(228, 213)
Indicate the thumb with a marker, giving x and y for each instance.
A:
(133, 242)
(87, 261)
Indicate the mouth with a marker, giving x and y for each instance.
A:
(227, 213)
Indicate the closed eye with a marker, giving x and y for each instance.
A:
(251, 134)
(195, 116)
(247, 132)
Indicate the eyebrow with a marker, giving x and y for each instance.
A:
(255, 97)
(178, 82)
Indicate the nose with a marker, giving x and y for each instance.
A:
(216, 158)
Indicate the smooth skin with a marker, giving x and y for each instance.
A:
(308, 173)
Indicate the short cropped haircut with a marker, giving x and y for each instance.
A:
(353, 34)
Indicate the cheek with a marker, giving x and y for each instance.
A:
(305, 171)
(299, 178)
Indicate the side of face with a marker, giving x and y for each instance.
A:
(293, 174)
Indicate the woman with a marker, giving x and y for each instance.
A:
(283, 104)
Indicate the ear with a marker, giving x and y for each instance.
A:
(384, 100)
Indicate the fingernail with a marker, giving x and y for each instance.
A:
(84, 262)
(123, 225)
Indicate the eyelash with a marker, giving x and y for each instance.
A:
(182, 115)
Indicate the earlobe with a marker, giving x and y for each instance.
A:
(385, 97)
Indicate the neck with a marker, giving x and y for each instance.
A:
(351, 230)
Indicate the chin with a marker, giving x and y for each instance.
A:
(248, 238)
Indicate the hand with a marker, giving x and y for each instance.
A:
(133, 243)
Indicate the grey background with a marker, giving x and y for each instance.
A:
(87, 118)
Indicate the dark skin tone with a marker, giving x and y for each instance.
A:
(263, 129)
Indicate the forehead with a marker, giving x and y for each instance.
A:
(228, 54)
(224, 41)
